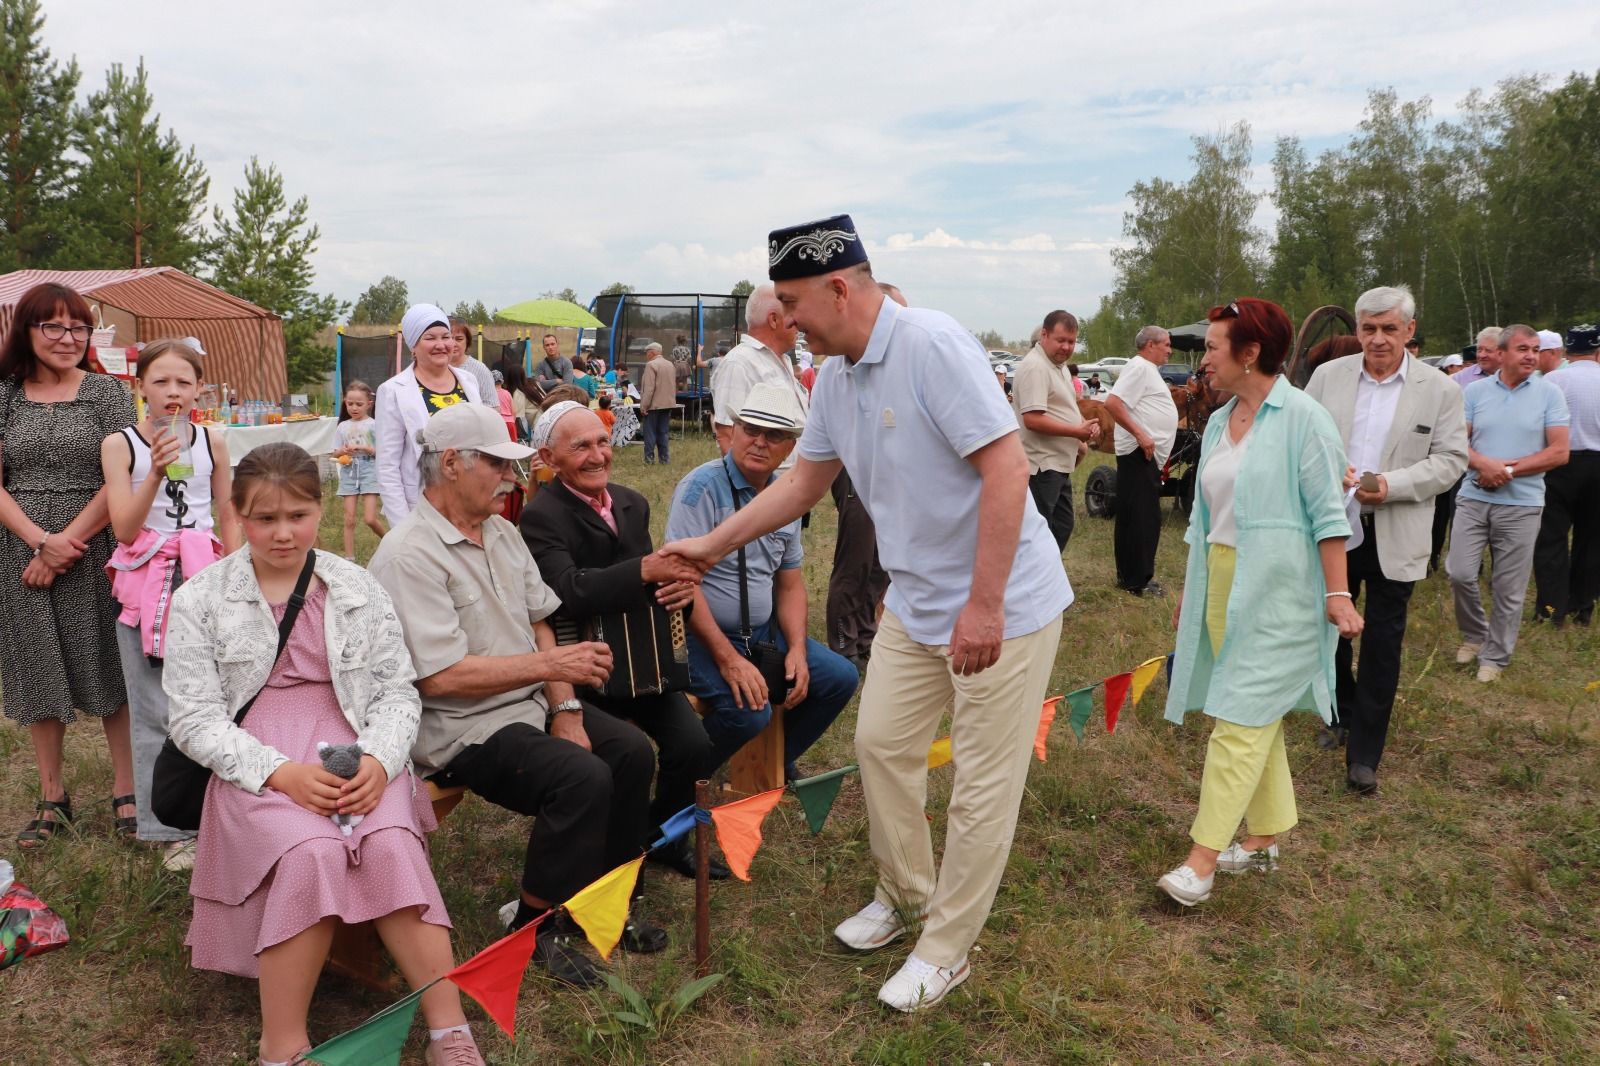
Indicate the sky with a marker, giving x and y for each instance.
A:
(494, 149)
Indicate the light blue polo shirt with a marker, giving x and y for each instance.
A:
(903, 420)
(702, 501)
(1508, 424)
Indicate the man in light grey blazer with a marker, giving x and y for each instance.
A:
(1406, 442)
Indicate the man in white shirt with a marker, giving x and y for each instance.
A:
(1568, 581)
(1147, 424)
(1405, 442)
(1054, 434)
(759, 356)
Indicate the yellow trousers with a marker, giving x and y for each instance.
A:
(1246, 776)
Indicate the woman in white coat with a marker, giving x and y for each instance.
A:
(406, 401)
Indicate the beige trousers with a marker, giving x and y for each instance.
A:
(995, 717)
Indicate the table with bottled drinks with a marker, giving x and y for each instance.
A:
(315, 435)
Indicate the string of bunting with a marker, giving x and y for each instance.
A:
(493, 977)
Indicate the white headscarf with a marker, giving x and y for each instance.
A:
(417, 320)
(545, 427)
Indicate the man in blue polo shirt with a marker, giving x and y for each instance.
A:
(766, 604)
(972, 618)
(1516, 430)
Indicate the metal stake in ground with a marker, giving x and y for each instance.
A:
(702, 880)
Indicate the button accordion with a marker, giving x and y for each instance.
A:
(649, 648)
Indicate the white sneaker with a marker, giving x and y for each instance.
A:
(871, 927)
(1487, 672)
(178, 856)
(1186, 886)
(1236, 860)
(1466, 653)
(919, 985)
(508, 913)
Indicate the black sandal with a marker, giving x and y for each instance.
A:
(38, 833)
(126, 828)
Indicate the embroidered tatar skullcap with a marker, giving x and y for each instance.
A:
(545, 427)
(815, 248)
(1583, 339)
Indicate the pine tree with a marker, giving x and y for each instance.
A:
(36, 123)
(141, 194)
(263, 254)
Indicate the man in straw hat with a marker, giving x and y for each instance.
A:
(973, 613)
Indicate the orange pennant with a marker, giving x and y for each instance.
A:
(1047, 715)
(494, 975)
(739, 828)
(939, 753)
(1116, 693)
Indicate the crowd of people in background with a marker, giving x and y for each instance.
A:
(148, 576)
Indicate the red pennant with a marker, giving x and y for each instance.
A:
(739, 828)
(1047, 715)
(493, 976)
(1116, 693)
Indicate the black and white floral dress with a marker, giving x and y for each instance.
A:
(58, 645)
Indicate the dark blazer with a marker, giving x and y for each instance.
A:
(591, 569)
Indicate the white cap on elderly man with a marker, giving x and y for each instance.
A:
(1453, 359)
(1548, 339)
(470, 427)
(772, 407)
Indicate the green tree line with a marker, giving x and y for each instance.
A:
(98, 184)
(1491, 218)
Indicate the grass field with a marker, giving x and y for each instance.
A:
(1453, 919)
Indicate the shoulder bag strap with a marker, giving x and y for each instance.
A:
(744, 585)
(291, 613)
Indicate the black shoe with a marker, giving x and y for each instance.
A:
(642, 936)
(558, 951)
(1152, 589)
(1362, 779)
(679, 856)
(1331, 737)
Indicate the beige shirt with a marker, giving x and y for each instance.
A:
(456, 599)
(658, 386)
(1041, 385)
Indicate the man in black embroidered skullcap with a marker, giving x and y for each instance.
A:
(907, 404)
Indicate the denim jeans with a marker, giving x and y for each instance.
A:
(657, 428)
(833, 682)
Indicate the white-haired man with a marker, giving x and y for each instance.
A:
(1147, 424)
(1517, 428)
(973, 614)
(658, 398)
(761, 355)
(1405, 441)
(1488, 360)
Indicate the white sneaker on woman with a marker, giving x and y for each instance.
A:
(1236, 860)
(1186, 886)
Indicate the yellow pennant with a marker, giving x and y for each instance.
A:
(602, 907)
(939, 753)
(1145, 673)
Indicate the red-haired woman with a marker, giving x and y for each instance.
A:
(58, 622)
(1265, 598)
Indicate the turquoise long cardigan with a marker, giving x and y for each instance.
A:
(1277, 652)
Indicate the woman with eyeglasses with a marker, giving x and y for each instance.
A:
(58, 622)
(1265, 598)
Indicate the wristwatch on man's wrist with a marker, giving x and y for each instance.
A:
(566, 705)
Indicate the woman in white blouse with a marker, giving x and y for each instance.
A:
(406, 401)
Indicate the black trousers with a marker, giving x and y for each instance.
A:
(1052, 494)
(1567, 581)
(1138, 529)
(683, 750)
(1366, 699)
(1444, 510)
(858, 583)
(588, 807)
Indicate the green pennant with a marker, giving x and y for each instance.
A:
(816, 795)
(1082, 703)
(376, 1041)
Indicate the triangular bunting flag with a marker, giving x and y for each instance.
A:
(601, 907)
(675, 827)
(1047, 715)
(1116, 693)
(1082, 704)
(739, 828)
(494, 975)
(376, 1041)
(1145, 673)
(817, 794)
(939, 753)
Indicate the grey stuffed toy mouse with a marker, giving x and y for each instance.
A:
(341, 760)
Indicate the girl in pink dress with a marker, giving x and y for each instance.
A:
(272, 873)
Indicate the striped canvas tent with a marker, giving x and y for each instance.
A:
(243, 343)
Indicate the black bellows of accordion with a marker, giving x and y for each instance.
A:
(649, 648)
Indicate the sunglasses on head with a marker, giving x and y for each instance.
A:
(1230, 310)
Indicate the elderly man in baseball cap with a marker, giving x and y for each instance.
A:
(499, 712)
